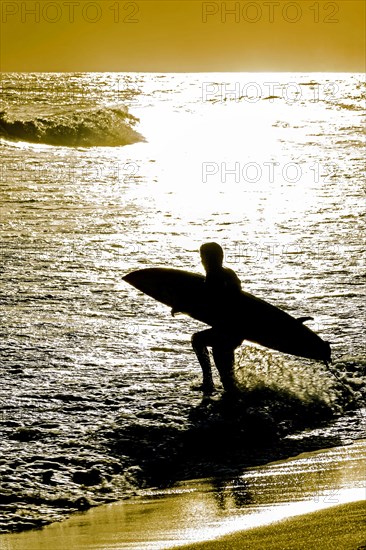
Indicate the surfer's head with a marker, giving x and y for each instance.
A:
(212, 256)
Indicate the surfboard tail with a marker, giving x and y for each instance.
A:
(327, 352)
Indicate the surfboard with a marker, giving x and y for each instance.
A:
(252, 318)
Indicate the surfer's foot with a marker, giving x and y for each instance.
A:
(208, 389)
(231, 388)
(205, 387)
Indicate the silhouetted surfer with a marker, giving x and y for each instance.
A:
(218, 301)
(223, 287)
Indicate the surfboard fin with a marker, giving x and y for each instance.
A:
(304, 319)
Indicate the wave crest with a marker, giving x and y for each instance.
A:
(103, 127)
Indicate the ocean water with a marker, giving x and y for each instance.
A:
(104, 173)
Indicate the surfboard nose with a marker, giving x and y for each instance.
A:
(127, 278)
(135, 278)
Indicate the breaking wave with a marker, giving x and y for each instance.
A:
(103, 127)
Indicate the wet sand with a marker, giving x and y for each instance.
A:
(237, 513)
(342, 527)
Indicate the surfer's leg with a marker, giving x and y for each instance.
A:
(224, 358)
(200, 341)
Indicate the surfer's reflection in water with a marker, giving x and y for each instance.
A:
(223, 287)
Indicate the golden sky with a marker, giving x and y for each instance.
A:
(182, 35)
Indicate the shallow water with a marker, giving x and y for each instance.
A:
(96, 400)
(207, 509)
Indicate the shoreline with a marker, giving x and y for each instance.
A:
(341, 526)
(213, 513)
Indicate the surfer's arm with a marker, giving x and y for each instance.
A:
(232, 281)
(224, 281)
(174, 310)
